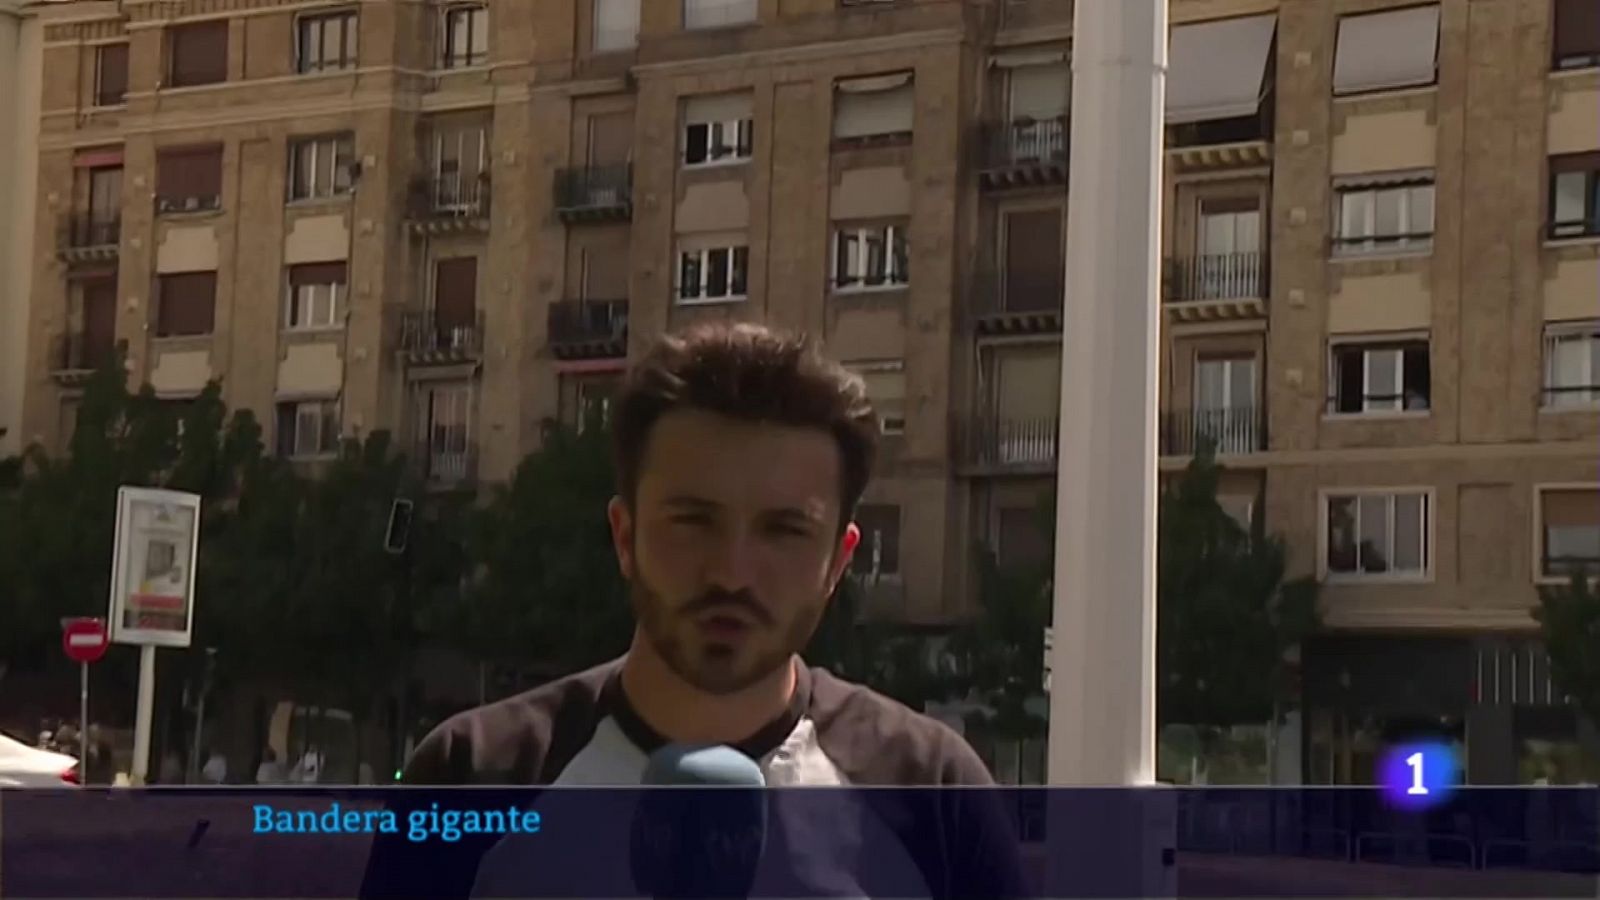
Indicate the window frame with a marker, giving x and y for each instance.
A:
(595, 31)
(101, 98)
(473, 15)
(1541, 576)
(171, 204)
(1367, 345)
(162, 316)
(307, 62)
(342, 145)
(1428, 538)
(328, 410)
(296, 297)
(740, 152)
(1407, 242)
(1573, 229)
(865, 549)
(703, 269)
(1554, 334)
(1588, 58)
(895, 238)
(170, 67)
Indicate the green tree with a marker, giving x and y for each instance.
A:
(545, 583)
(1227, 613)
(1569, 617)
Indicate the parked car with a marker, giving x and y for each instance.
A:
(29, 767)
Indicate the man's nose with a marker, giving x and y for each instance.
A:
(731, 563)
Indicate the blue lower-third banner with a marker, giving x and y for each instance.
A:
(801, 842)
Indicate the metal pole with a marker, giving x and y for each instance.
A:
(195, 763)
(1102, 685)
(143, 714)
(83, 723)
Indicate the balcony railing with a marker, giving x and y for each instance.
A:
(1230, 432)
(445, 463)
(79, 352)
(1579, 228)
(594, 192)
(1223, 276)
(594, 329)
(188, 203)
(426, 338)
(450, 196)
(1036, 148)
(84, 231)
(1008, 443)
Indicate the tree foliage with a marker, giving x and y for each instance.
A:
(1569, 617)
(1227, 615)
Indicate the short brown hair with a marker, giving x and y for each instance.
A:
(750, 372)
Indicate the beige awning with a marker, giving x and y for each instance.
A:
(1384, 50)
(1217, 69)
(1027, 58)
(719, 107)
(874, 84)
(887, 109)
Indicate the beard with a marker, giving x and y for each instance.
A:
(716, 667)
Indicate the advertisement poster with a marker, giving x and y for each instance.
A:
(152, 579)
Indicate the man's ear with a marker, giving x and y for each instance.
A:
(621, 519)
(843, 554)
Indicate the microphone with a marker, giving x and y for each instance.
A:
(701, 824)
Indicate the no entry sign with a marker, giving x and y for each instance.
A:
(85, 640)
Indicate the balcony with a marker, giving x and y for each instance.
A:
(588, 329)
(86, 238)
(180, 204)
(1012, 301)
(76, 356)
(1223, 143)
(1216, 287)
(427, 339)
(453, 203)
(594, 194)
(1024, 153)
(1236, 431)
(991, 445)
(445, 464)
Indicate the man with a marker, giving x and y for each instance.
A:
(741, 454)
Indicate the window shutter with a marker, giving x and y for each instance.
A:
(317, 273)
(1034, 269)
(200, 53)
(1575, 162)
(864, 113)
(187, 304)
(1571, 508)
(455, 297)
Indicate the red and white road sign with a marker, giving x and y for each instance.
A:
(85, 640)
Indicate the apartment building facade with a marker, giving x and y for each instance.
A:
(20, 46)
(457, 221)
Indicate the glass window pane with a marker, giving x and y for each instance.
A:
(1383, 379)
(1387, 213)
(1211, 386)
(1241, 383)
(1354, 209)
(1569, 196)
(1342, 534)
(332, 42)
(1409, 533)
(352, 32)
(1374, 531)
(717, 273)
(480, 34)
(741, 269)
(1421, 212)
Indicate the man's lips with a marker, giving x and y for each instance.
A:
(725, 624)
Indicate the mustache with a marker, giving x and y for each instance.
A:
(717, 599)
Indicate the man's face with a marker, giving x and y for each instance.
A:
(733, 547)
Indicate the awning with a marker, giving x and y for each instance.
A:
(1027, 58)
(874, 84)
(719, 107)
(1386, 50)
(105, 157)
(1398, 178)
(1217, 70)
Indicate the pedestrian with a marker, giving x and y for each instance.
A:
(101, 766)
(741, 455)
(270, 771)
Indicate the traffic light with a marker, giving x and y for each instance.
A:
(394, 538)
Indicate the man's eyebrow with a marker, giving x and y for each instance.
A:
(795, 512)
(692, 502)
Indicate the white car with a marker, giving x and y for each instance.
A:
(29, 767)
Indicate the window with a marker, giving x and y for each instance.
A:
(1384, 218)
(105, 202)
(1379, 535)
(327, 42)
(590, 403)
(186, 304)
(110, 74)
(444, 431)
(713, 274)
(872, 109)
(308, 429)
(189, 179)
(1575, 195)
(616, 24)
(718, 129)
(878, 554)
(1380, 377)
(1570, 532)
(1577, 34)
(466, 36)
(886, 391)
(461, 167)
(870, 256)
(718, 13)
(1387, 50)
(1572, 365)
(197, 54)
(1224, 403)
(316, 296)
(321, 167)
